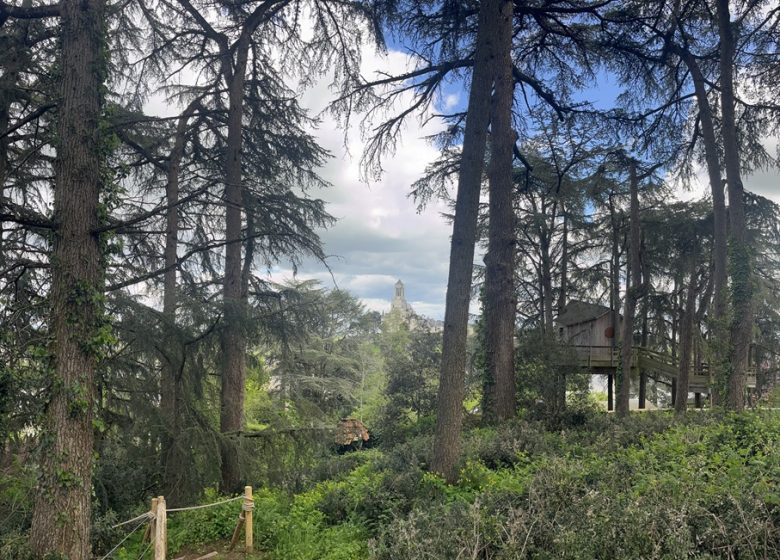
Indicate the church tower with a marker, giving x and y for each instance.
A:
(399, 291)
(399, 300)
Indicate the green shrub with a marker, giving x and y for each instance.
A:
(15, 546)
(651, 488)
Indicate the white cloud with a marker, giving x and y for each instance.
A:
(379, 236)
(451, 100)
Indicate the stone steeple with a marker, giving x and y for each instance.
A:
(399, 300)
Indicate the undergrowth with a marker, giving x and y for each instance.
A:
(707, 486)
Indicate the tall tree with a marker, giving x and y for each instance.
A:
(261, 151)
(739, 250)
(500, 305)
(449, 417)
(171, 382)
(61, 518)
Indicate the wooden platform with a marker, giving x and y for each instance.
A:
(605, 360)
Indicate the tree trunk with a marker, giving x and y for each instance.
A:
(676, 288)
(233, 337)
(643, 344)
(449, 418)
(62, 511)
(633, 290)
(499, 262)
(614, 299)
(563, 293)
(614, 275)
(686, 337)
(174, 456)
(720, 241)
(547, 282)
(740, 265)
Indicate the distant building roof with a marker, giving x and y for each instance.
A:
(577, 312)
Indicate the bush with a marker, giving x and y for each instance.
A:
(705, 488)
(646, 487)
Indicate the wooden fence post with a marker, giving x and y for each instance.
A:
(160, 532)
(150, 528)
(248, 506)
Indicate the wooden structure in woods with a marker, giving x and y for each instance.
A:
(351, 431)
(590, 330)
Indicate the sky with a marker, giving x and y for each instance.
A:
(380, 236)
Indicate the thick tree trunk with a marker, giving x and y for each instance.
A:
(686, 337)
(449, 418)
(233, 337)
(62, 511)
(740, 265)
(499, 262)
(633, 289)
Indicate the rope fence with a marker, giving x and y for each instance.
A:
(203, 506)
(144, 516)
(127, 536)
(156, 522)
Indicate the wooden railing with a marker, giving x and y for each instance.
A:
(656, 363)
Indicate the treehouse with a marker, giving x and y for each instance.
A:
(592, 333)
(588, 327)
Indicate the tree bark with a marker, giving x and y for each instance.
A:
(174, 457)
(234, 309)
(614, 274)
(642, 373)
(720, 248)
(720, 233)
(62, 510)
(739, 254)
(633, 288)
(499, 262)
(614, 298)
(449, 418)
